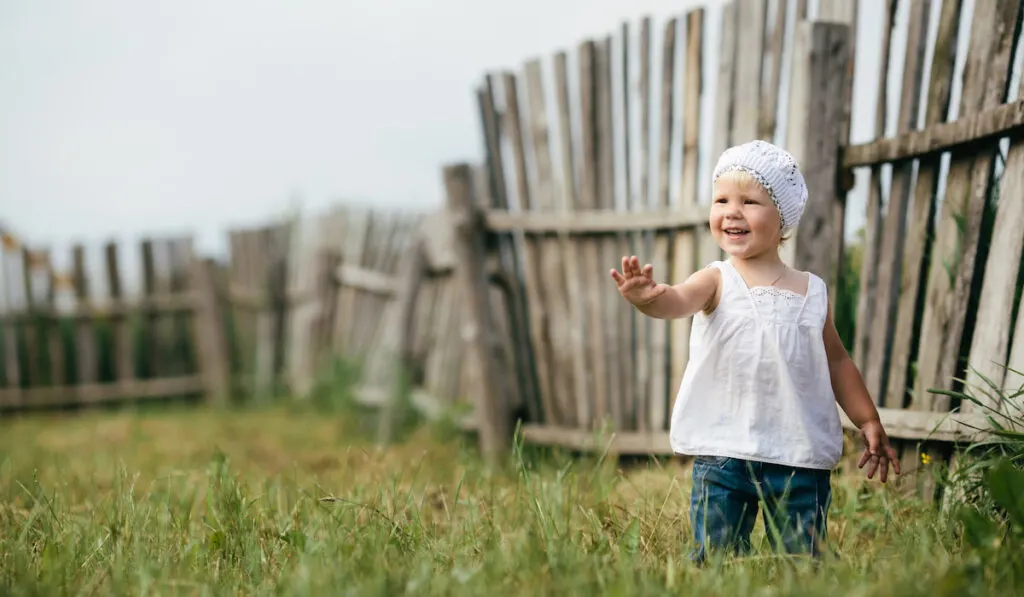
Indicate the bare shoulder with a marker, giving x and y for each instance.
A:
(709, 280)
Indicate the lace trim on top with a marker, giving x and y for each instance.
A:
(773, 296)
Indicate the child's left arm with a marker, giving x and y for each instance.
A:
(852, 395)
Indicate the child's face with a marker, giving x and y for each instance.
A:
(744, 221)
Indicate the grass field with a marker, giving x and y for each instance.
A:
(285, 502)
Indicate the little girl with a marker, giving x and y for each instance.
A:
(757, 404)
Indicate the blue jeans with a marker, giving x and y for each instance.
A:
(726, 496)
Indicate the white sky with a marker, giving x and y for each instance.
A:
(123, 118)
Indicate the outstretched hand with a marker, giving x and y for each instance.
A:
(877, 451)
(637, 284)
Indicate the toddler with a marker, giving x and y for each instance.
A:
(757, 404)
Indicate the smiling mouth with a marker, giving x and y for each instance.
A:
(735, 232)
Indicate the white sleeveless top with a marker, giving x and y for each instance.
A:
(757, 385)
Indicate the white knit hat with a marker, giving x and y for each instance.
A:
(776, 170)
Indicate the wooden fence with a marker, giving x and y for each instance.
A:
(371, 288)
(596, 156)
(64, 344)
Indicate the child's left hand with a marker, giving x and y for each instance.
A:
(878, 451)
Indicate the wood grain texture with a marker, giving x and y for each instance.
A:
(873, 216)
(895, 221)
(922, 215)
(821, 51)
(990, 345)
(955, 252)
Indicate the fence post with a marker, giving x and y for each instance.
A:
(209, 334)
(411, 273)
(494, 424)
(816, 121)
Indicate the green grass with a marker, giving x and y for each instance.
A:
(294, 502)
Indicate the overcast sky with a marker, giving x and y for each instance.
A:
(120, 118)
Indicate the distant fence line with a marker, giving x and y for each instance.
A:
(291, 298)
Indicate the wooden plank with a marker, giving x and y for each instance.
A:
(643, 242)
(85, 334)
(210, 335)
(178, 252)
(95, 392)
(658, 396)
(631, 324)
(591, 273)
(767, 114)
(12, 364)
(894, 225)
(725, 106)
(566, 201)
(491, 409)
(972, 130)
(873, 216)
(524, 387)
(684, 258)
(534, 286)
(922, 215)
(366, 280)
(552, 259)
(749, 62)
(165, 323)
(30, 327)
(151, 342)
(124, 362)
(815, 121)
(990, 344)
(1014, 380)
(54, 335)
(955, 251)
(614, 310)
(399, 360)
(903, 424)
(845, 12)
(947, 427)
(278, 241)
(597, 221)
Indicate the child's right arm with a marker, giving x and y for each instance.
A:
(699, 292)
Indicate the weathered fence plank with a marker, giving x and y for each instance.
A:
(492, 412)
(873, 217)
(895, 221)
(821, 51)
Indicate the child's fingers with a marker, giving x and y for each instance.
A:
(895, 461)
(618, 278)
(627, 271)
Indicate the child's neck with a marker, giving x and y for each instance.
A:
(761, 268)
(761, 261)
